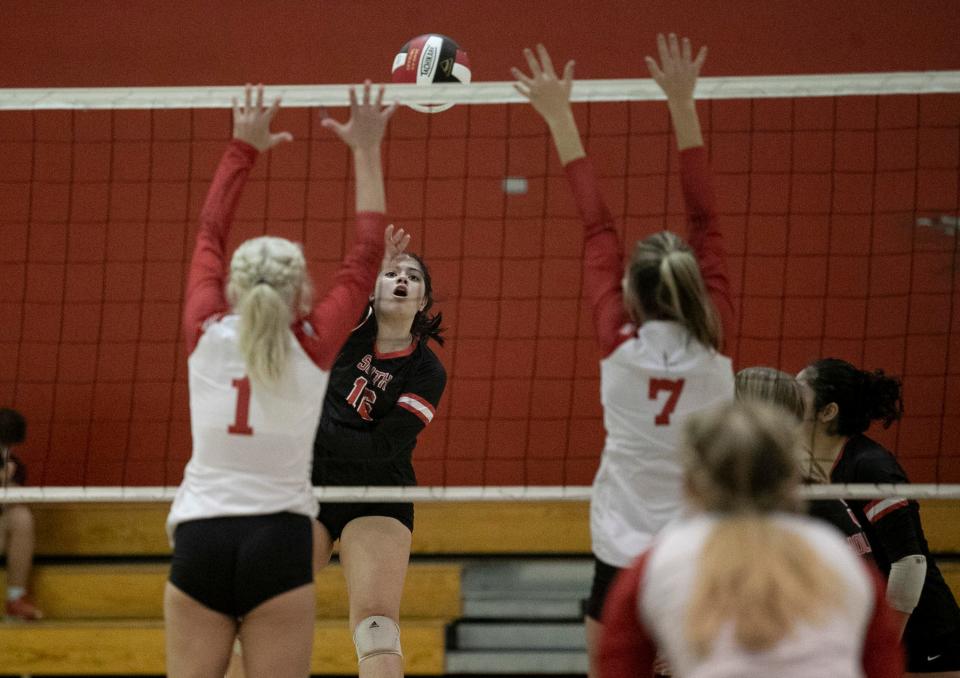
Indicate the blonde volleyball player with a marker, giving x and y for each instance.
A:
(744, 586)
(659, 322)
(260, 354)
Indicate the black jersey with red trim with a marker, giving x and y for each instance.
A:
(839, 514)
(893, 528)
(375, 407)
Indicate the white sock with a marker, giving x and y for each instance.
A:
(14, 592)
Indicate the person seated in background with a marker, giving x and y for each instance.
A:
(16, 521)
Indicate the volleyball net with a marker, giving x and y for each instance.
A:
(838, 196)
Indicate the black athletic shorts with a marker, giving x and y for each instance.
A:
(233, 564)
(334, 516)
(603, 576)
(934, 654)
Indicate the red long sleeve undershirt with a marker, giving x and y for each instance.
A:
(331, 318)
(604, 260)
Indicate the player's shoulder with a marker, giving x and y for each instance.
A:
(429, 363)
(870, 461)
(218, 329)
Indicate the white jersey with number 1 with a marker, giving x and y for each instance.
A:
(253, 444)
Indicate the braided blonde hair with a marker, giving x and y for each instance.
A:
(268, 288)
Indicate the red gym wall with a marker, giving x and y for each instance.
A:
(73, 435)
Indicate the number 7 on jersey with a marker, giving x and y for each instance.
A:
(671, 386)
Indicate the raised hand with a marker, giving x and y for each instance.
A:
(251, 121)
(395, 242)
(367, 123)
(548, 94)
(678, 70)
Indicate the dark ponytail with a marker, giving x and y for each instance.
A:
(425, 325)
(862, 397)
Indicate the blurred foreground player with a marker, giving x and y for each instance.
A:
(744, 587)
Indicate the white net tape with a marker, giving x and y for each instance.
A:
(760, 87)
(450, 494)
(757, 87)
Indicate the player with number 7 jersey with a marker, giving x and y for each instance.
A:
(659, 322)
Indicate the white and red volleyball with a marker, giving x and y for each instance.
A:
(428, 59)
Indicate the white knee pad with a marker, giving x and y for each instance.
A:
(376, 635)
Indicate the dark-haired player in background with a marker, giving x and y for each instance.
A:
(384, 390)
(841, 403)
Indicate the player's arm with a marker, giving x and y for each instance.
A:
(208, 267)
(626, 648)
(335, 315)
(677, 74)
(603, 253)
(882, 655)
(398, 430)
(895, 523)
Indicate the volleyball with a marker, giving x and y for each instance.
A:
(428, 59)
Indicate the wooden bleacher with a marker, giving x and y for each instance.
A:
(106, 617)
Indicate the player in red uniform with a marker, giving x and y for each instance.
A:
(659, 322)
(842, 401)
(260, 352)
(742, 586)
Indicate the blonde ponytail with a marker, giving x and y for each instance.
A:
(755, 573)
(268, 288)
(762, 579)
(665, 277)
(264, 332)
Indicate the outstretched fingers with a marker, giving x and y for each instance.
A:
(662, 48)
(532, 62)
(654, 69)
(388, 112)
(701, 57)
(546, 61)
(274, 107)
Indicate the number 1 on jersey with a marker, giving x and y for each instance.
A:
(673, 387)
(241, 418)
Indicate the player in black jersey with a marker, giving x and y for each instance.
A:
(384, 389)
(774, 386)
(842, 401)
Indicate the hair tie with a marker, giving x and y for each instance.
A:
(261, 281)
